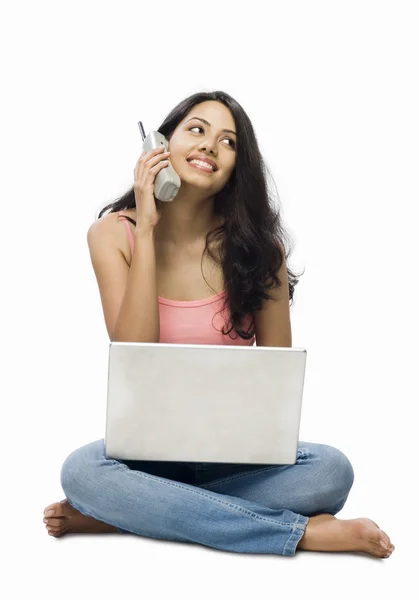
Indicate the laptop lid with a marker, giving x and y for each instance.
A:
(204, 403)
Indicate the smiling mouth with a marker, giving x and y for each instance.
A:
(208, 169)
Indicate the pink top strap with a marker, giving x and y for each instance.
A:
(130, 236)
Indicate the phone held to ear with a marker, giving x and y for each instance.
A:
(167, 181)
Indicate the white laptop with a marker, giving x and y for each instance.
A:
(204, 403)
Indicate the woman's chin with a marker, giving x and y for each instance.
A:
(189, 183)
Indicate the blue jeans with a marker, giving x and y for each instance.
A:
(237, 507)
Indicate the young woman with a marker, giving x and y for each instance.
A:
(197, 270)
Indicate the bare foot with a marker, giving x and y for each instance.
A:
(67, 519)
(326, 533)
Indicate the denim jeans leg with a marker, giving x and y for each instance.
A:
(319, 482)
(158, 507)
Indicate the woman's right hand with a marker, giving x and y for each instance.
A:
(146, 170)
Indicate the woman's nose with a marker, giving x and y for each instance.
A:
(209, 146)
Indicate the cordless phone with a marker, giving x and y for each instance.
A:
(167, 181)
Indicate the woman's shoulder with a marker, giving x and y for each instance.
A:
(110, 229)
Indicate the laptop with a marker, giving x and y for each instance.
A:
(204, 403)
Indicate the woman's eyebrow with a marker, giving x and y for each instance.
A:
(209, 124)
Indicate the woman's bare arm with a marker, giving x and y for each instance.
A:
(128, 293)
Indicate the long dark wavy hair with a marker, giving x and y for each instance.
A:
(250, 253)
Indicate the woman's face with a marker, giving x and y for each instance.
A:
(209, 140)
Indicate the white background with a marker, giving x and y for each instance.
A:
(331, 89)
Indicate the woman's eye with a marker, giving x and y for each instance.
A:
(233, 143)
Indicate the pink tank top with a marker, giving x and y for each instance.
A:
(195, 321)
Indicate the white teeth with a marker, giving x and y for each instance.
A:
(201, 163)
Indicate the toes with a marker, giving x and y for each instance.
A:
(54, 522)
(384, 540)
(381, 553)
(56, 530)
(53, 529)
(57, 507)
(378, 551)
(385, 547)
(55, 533)
(52, 510)
(377, 536)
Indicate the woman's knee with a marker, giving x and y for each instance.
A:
(334, 474)
(338, 473)
(78, 467)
